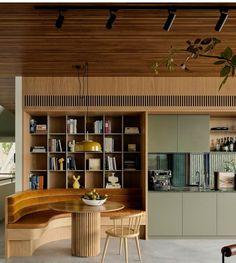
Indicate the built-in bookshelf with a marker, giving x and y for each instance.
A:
(54, 159)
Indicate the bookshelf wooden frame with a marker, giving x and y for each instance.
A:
(38, 163)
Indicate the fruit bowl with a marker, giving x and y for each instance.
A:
(94, 202)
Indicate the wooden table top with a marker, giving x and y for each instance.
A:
(77, 206)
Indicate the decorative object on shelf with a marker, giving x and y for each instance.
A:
(61, 161)
(72, 126)
(201, 48)
(229, 166)
(32, 126)
(132, 130)
(86, 145)
(224, 180)
(76, 184)
(113, 181)
(108, 144)
(71, 145)
(94, 198)
(131, 147)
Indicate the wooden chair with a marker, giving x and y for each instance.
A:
(124, 227)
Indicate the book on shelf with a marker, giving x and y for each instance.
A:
(72, 126)
(41, 128)
(94, 164)
(70, 162)
(98, 126)
(108, 145)
(53, 163)
(131, 130)
(38, 149)
(130, 165)
(55, 145)
(111, 163)
(36, 182)
(107, 126)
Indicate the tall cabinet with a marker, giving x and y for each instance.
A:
(122, 137)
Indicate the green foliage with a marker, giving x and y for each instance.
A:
(201, 48)
(6, 147)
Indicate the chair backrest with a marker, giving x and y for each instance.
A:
(129, 224)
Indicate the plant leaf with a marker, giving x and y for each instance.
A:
(223, 82)
(206, 41)
(188, 42)
(227, 53)
(225, 71)
(197, 41)
(209, 47)
(218, 62)
(233, 60)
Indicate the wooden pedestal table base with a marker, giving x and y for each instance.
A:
(86, 226)
(85, 234)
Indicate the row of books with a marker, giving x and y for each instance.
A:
(98, 126)
(55, 145)
(111, 163)
(36, 182)
(54, 163)
(70, 163)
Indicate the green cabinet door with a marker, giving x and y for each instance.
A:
(199, 214)
(193, 133)
(162, 133)
(164, 214)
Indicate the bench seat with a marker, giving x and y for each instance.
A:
(30, 223)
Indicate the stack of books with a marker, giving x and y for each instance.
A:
(38, 149)
(41, 128)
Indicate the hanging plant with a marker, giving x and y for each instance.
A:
(201, 48)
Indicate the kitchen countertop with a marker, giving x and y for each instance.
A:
(191, 189)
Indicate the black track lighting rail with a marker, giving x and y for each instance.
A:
(134, 7)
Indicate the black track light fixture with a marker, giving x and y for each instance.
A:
(111, 19)
(222, 19)
(60, 20)
(170, 19)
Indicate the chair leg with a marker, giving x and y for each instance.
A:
(105, 248)
(121, 241)
(138, 248)
(126, 250)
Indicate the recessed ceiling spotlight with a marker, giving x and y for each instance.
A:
(60, 20)
(222, 19)
(170, 19)
(111, 19)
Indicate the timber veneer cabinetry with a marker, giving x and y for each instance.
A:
(56, 140)
(178, 133)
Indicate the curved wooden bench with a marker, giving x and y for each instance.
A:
(30, 223)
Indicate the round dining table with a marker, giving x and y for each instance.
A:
(85, 224)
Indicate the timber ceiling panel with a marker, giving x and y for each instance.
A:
(30, 45)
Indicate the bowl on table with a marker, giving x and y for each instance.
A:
(94, 202)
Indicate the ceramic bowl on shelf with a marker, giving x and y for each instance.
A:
(94, 202)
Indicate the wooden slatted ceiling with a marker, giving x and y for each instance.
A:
(30, 44)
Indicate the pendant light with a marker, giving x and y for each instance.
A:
(86, 145)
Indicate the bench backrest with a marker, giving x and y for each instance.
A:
(27, 202)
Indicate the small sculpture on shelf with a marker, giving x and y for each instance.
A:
(61, 161)
(76, 184)
(71, 145)
(113, 181)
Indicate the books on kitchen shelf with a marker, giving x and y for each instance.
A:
(98, 126)
(36, 182)
(111, 163)
(38, 149)
(55, 145)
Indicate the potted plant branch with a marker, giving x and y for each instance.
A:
(201, 48)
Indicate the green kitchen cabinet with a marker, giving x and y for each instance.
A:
(193, 133)
(178, 133)
(199, 214)
(162, 133)
(164, 214)
(226, 214)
